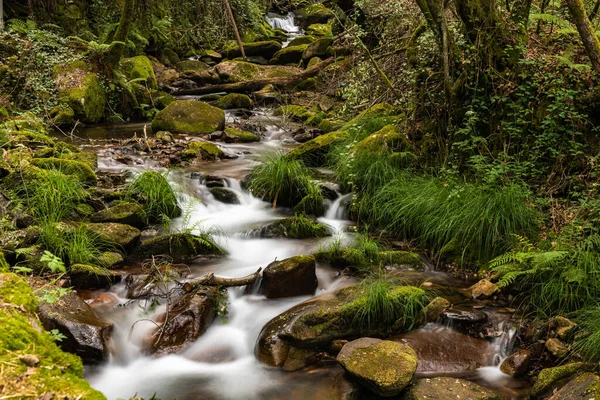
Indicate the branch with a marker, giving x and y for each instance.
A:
(212, 280)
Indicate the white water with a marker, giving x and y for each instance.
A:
(286, 23)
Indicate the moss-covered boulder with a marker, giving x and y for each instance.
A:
(127, 213)
(264, 49)
(180, 247)
(584, 387)
(236, 71)
(121, 235)
(234, 135)
(399, 257)
(319, 30)
(382, 366)
(54, 371)
(300, 40)
(140, 69)
(298, 227)
(448, 388)
(234, 100)
(315, 13)
(79, 170)
(189, 116)
(295, 112)
(162, 100)
(319, 48)
(191, 65)
(314, 151)
(110, 259)
(389, 137)
(4, 267)
(81, 90)
(295, 276)
(87, 276)
(204, 151)
(289, 55)
(311, 63)
(550, 378)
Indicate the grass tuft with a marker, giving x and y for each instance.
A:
(153, 191)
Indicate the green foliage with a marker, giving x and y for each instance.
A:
(72, 245)
(587, 342)
(53, 296)
(56, 335)
(53, 263)
(153, 191)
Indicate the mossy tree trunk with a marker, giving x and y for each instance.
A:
(586, 32)
(125, 21)
(1, 15)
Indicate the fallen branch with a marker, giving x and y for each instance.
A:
(212, 280)
(258, 84)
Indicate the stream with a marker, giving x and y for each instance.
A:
(221, 363)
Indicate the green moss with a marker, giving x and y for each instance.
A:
(297, 41)
(549, 376)
(401, 258)
(28, 138)
(236, 71)
(319, 30)
(313, 152)
(179, 246)
(191, 65)
(241, 136)
(63, 116)
(289, 55)
(90, 159)
(320, 48)
(189, 116)
(4, 267)
(265, 49)
(298, 113)
(297, 227)
(316, 119)
(162, 100)
(388, 137)
(313, 61)
(93, 271)
(330, 125)
(279, 72)
(110, 259)
(234, 100)
(84, 209)
(290, 264)
(315, 13)
(120, 235)
(82, 171)
(140, 69)
(87, 99)
(205, 150)
(14, 290)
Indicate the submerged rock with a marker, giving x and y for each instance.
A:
(189, 116)
(447, 388)
(86, 334)
(128, 213)
(295, 276)
(382, 366)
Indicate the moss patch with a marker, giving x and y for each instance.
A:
(549, 376)
(205, 151)
(80, 170)
(319, 30)
(14, 290)
(235, 135)
(81, 90)
(234, 100)
(289, 55)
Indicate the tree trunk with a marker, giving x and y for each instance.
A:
(125, 21)
(1, 15)
(586, 32)
(235, 29)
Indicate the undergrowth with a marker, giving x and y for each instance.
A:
(153, 191)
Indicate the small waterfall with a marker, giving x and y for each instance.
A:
(337, 210)
(282, 22)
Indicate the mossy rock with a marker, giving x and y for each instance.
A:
(4, 267)
(204, 151)
(234, 100)
(25, 122)
(162, 100)
(224, 195)
(58, 372)
(294, 276)
(314, 151)
(33, 140)
(310, 84)
(319, 30)
(191, 65)
(127, 213)
(330, 125)
(264, 49)
(300, 40)
(320, 48)
(180, 247)
(289, 55)
(295, 112)
(110, 259)
(81, 171)
(279, 72)
(389, 137)
(236, 71)
(121, 235)
(449, 388)
(90, 159)
(234, 135)
(63, 116)
(344, 258)
(584, 387)
(140, 69)
(315, 13)
(549, 378)
(189, 116)
(85, 276)
(313, 61)
(298, 227)
(398, 257)
(81, 90)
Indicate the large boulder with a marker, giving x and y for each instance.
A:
(382, 366)
(81, 90)
(289, 55)
(517, 363)
(234, 100)
(264, 49)
(140, 69)
(584, 387)
(191, 65)
(86, 334)
(189, 116)
(447, 388)
(315, 13)
(122, 235)
(188, 318)
(127, 213)
(295, 276)
(236, 71)
(180, 247)
(320, 48)
(319, 30)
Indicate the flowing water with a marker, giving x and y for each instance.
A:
(285, 22)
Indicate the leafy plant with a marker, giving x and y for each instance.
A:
(56, 335)
(53, 296)
(54, 263)
(153, 191)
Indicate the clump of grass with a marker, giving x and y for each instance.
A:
(74, 245)
(300, 226)
(476, 218)
(282, 181)
(153, 191)
(54, 197)
(587, 343)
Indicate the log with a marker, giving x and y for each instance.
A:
(258, 84)
(212, 280)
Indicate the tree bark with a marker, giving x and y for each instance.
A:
(212, 280)
(235, 29)
(257, 84)
(125, 21)
(1, 15)
(586, 32)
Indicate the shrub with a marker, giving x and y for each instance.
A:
(153, 191)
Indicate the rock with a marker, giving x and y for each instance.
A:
(189, 116)
(234, 100)
(319, 30)
(168, 77)
(110, 259)
(79, 170)
(482, 289)
(584, 387)
(140, 68)
(315, 13)
(264, 49)
(464, 315)
(124, 236)
(86, 334)
(294, 112)
(180, 247)
(162, 100)
(382, 366)
(224, 195)
(556, 347)
(294, 228)
(30, 360)
(191, 65)
(295, 276)
(434, 310)
(319, 48)
(303, 137)
(562, 327)
(289, 55)
(128, 213)
(234, 135)
(517, 363)
(84, 276)
(81, 90)
(204, 151)
(188, 318)
(300, 40)
(447, 388)
(400, 258)
(235, 71)
(549, 378)
(311, 63)
(267, 95)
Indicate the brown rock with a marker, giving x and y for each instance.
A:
(295, 276)
(556, 347)
(517, 363)
(482, 289)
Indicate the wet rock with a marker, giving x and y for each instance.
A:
(289, 55)
(295, 276)
(382, 366)
(165, 136)
(224, 195)
(550, 378)
(216, 135)
(482, 289)
(584, 387)
(234, 135)
(434, 310)
(329, 190)
(204, 151)
(188, 318)
(536, 331)
(85, 276)
(212, 181)
(562, 327)
(86, 334)
(180, 247)
(401, 258)
(234, 100)
(189, 116)
(517, 363)
(124, 236)
(129, 213)
(446, 388)
(556, 347)
(464, 316)
(294, 228)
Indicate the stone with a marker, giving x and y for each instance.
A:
(549, 378)
(86, 334)
(297, 41)
(189, 116)
(295, 276)
(85, 276)
(482, 289)
(30, 360)
(224, 195)
(434, 310)
(204, 150)
(294, 228)
(382, 366)
(319, 30)
(584, 387)
(140, 68)
(191, 65)
(128, 213)
(562, 327)
(236, 71)
(464, 315)
(234, 135)
(264, 49)
(556, 347)
(447, 388)
(517, 364)
(234, 100)
(180, 247)
(81, 90)
(110, 259)
(314, 13)
(319, 48)
(289, 55)
(124, 236)
(80, 170)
